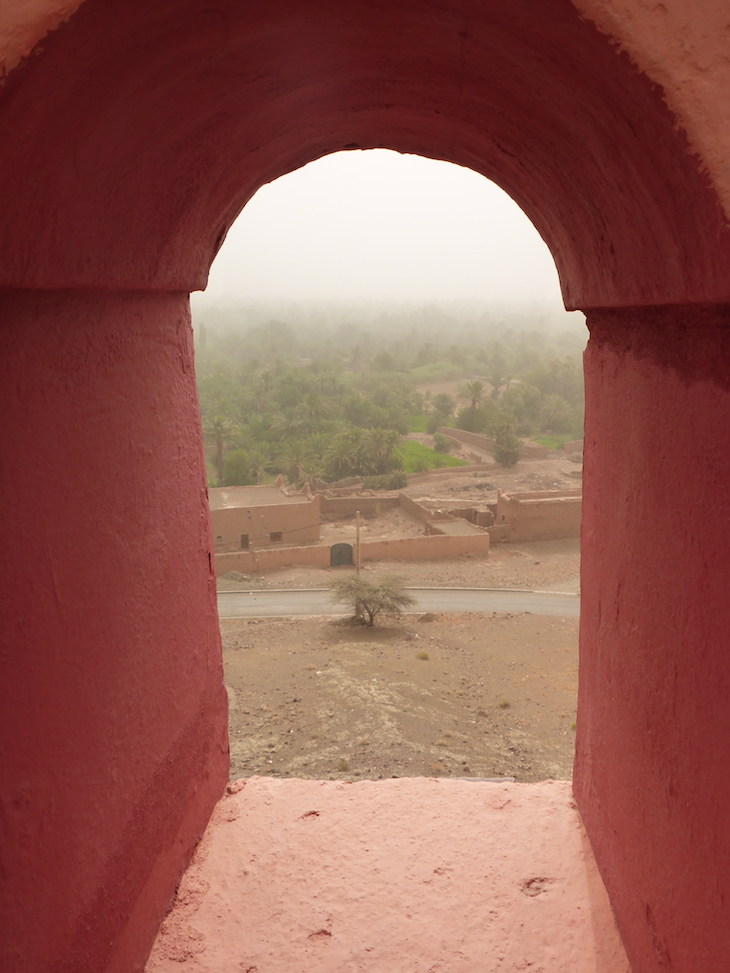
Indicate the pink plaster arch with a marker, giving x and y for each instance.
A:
(171, 115)
(24, 25)
(129, 144)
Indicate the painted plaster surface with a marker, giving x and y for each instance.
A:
(394, 876)
(23, 23)
(113, 736)
(133, 181)
(684, 46)
(653, 744)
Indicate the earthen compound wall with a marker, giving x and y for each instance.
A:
(349, 506)
(576, 446)
(416, 509)
(298, 523)
(425, 548)
(539, 516)
(478, 468)
(401, 549)
(528, 450)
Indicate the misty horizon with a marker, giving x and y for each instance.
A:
(375, 229)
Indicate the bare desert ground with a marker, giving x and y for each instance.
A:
(445, 695)
(460, 695)
(438, 695)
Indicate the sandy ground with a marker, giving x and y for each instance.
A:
(446, 695)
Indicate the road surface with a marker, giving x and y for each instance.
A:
(318, 601)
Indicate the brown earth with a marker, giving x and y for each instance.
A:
(494, 696)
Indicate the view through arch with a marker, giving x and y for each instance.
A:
(376, 326)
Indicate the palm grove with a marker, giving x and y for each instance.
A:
(333, 400)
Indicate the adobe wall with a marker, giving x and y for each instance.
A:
(533, 451)
(454, 470)
(272, 558)
(472, 438)
(112, 708)
(541, 520)
(539, 515)
(527, 451)
(416, 510)
(408, 548)
(540, 495)
(679, 45)
(348, 506)
(576, 446)
(447, 435)
(298, 523)
(425, 548)
(653, 740)
(482, 518)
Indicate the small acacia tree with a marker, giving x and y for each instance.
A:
(370, 598)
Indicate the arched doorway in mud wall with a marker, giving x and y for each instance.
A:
(130, 143)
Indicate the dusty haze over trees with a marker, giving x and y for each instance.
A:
(330, 391)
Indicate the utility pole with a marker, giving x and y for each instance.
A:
(358, 606)
(357, 544)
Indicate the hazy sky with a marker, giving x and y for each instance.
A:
(379, 226)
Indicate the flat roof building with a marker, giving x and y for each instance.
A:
(247, 517)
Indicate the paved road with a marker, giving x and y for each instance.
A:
(318, 601)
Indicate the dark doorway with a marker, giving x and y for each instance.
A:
(340, 555)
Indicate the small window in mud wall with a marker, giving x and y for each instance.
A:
(244, 542)
(276, 536)
(219, 539)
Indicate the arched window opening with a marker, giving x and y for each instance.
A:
(385, 367)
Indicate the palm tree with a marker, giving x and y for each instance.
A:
(312, 410)
(555, 413)
(297, 461)
(375, 444)
(443, 404)
(498, 374)
(407, 396)
(260, 464)
(381, 448)
(391, 444)
(222, 430)
(286, 426)
(472, 392)
(339, 456)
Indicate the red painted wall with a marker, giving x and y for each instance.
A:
(652, 770)
(112, 708)
(194, 104)
(129, 144)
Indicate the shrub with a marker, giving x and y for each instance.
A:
(507, 446)
(237, 468)
(386, 595)
(441, 443)
(386, 481)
